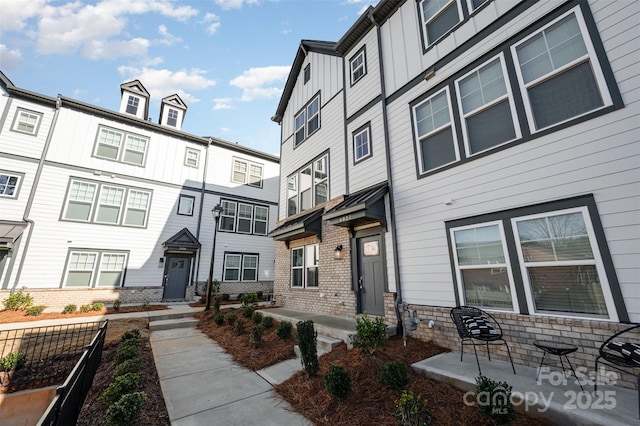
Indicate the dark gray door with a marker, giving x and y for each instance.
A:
(370, 275)
(177, 276)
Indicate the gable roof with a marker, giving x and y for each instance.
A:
(137, 88)
(174, 101)
(182, 240)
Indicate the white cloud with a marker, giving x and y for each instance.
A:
(212, 21)
(225, 130)
(234, 4)
(9, 58)
(261, 82)
(168, 39)
(15, 13)
(111, 49)
(222, 103)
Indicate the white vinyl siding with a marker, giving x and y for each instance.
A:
(95, 269)
(110, 146)
(27, 122)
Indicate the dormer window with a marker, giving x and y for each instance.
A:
(172, 117)
(132, 105)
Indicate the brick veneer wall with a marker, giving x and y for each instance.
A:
(520, 331)
(239, 287)
(60, 297)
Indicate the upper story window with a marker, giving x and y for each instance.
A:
(95, 268)
(243, 218)
(119, 146)
(358, 66)
(132, 104)
(192, 158)
(186, 204)
(309, 186)
(308, 120)
(304, 266)
(362, 143)
(96, 202)
(475, 4)
(172, 117)
(307, 73)
(9, 184)
(439, 17)
(26, 122)
(246, 172)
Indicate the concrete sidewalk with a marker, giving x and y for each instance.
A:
(202, 385)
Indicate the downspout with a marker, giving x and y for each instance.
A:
(202, 188)
(32, 194)
(387, 145)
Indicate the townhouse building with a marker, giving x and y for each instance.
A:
(99, 205)
(467, 152)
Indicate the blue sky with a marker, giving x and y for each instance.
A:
(227, 59)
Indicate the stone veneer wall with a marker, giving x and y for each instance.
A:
(520, 331)
(230, 287)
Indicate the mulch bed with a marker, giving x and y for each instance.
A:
(7, 316)
(39, 373)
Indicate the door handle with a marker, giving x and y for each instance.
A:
(361, 283)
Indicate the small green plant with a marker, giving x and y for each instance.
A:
(230, 317)
(121, 385)
(255, 336)
(69, 309)
(225, 297)
(145, 304)
(34, 311)
(127, 350)
(18, 301)
(259, 294)
(338, 382)
(370, 334)
(411, 410)
(308, 344)
(218, 318)
(284, 330)
(240, 296)
(13, 362)
(215, 286)
(247, 311)
(237, 328)
(494, 400)
(203, 299)
(131, 365)
(133, 333)
(249, 300)
(85, 308)
(267, 322)
(216, 304)
(394, 375)
(116, 305)
(97, 306)
(126, 410)
(257, 317)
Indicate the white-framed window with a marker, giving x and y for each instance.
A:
(119, 146)
(95, 268)
(132, 105)
(304, 266)
(260, 220)
(307, 121)
(186, 204)
(292, 195)
(475, 4)
(240, 267)
(255, 175)
(309, 186)
(228, 216)
(247, 172)
(172, 117)
(26, 121)
(245, 218)
(435, 133)
(439, 17)
(307, 73)
(358, 66)
(9, 184)
(232, 264)
(85, 197)
(249, 267)
(362, 143)
(191, 157)
(488, 113)
(559, 73)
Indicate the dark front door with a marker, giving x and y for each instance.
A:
(177, 276)
(370, 275)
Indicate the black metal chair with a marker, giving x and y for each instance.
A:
(477, 327)
(622, 352)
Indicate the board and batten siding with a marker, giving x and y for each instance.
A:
(22, 144)
(368, 87)
(14, 208)
(372, 170)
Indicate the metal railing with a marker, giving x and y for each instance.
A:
(66, 405)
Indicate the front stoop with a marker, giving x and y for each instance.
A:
(173, 320)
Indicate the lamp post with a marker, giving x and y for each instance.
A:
(217, 210)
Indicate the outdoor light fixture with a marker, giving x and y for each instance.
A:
(216, 211)
(338, 253)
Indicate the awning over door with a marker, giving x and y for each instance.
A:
(306, 225)
(360, 208)
(183, 241)
(9, 232)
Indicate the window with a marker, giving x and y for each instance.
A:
(362, 143)
(358, 66)
(186, 204)
(192, 158)
(475, 4)
(245, 218)
(109, 145)
(559, 79)
(246, 172)
(240, 267)
(228, 216)
(435, 134)
(304, 266)
(132, 105)
(26, 122)
(260, 220)
(308, 187)
(307, 121)
(85, 197)
(95, 268)
(9, 184)
(488, 114)
(439, 17)
(307, 73)
(172, 117)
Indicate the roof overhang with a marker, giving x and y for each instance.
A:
(306, 225)
(184, 240)
(361, 208)
(10, 231)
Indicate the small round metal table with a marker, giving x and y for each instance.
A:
(557, 348)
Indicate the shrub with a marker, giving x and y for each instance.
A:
(85, 308)
(249, 299)
(247, 311)
(411, 411)
(259, 294)
(230, 317)
(121, 385)
(240, 296)
(267, 322)
(218, 318)
(145, 305)
(203, 299)
(131, 365)
(393, 375)
(284, 330)
(307, 342)
(13, 362)
(97, 306)
(257, 317)
(133, 333)
(216, 304)
(497, 400)
(237, 327)
(18, 301)
(116, 305)
(225, 296)
(69, 309)
(337, 382)
(255, 337)
(127, 350)
(370, 334)
(34, 311)
(126, 410)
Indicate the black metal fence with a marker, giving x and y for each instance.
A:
(48, 354)
(66, 405)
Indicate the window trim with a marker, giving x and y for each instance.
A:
(193, 204)
(122, 147)
(241, 268)
(222, 215)
(236, 217)
(306, 73)
(97, 268)
(362, 129)
(16, 191)
(100, 204)
(425, 22)
(266, 221)
(296, 174)
(195, 152)
(17, 121)
(304, 268)
(362, 52)
(133, 102)
(304, 113)
(171, 120)
(247, 174)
